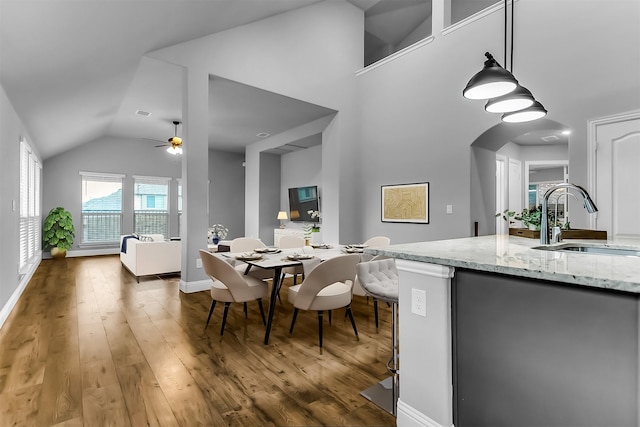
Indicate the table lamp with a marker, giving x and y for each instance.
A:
(282, 216)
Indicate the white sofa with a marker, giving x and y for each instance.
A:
(145, 258)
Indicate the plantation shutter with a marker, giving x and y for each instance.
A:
(30, 214)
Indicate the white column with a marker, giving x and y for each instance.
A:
(195, 169)
(426, 381)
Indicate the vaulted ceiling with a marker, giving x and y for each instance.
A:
(76, 71)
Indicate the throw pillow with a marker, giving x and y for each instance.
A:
(146, 238)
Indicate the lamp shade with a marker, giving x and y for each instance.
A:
(282, 215)
(535, 112)
(519, 99)
(491, 82)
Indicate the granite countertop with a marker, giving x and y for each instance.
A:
(515, 256)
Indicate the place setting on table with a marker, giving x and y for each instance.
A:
(354, 248)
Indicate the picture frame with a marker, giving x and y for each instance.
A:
(408, 203)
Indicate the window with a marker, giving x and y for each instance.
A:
(179, 207)
(101, 208)
(30, 215)
(151, 205)
(392, 25)
(462, 9)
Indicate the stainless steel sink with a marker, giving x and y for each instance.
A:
(592, 249)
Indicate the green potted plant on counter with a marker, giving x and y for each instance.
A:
(531, 218)
(58, 232)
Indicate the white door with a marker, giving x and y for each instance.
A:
(501, 195)
(515, 187)
(617, 175)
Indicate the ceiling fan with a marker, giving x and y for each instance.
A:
(175, 142)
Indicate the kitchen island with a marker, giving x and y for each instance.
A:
(518, 336)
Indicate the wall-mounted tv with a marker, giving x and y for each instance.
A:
(301, 201)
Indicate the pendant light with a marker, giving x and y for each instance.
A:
(491, 82)
(517, 99)
(535, 112)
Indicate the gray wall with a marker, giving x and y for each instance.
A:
(11, 129)
(483, 190)
(61, 186)
(416, 126)
(269, 196)
(62, 180)
(226, 191)
(299, 169)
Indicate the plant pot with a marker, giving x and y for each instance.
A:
(58, 253)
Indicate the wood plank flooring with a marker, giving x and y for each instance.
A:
(86, 345)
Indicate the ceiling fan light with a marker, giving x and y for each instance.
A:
(491, 82)
(176, 140)
(174, 150)
(519, 99)
(535, 112)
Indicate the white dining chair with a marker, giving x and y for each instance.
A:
(248, 244)
(229, 285)
(326, 287)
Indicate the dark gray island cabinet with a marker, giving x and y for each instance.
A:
(515, 336)
(528, 352)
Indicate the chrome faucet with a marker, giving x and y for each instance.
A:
(556, 231)
(544, 224)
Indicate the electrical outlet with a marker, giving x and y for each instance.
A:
(198, 263)
(419, 302)
(449, 209)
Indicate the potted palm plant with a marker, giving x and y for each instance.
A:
(58, 232)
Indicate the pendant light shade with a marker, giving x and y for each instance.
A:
(535, 112)
(517, 100)
(491, 82)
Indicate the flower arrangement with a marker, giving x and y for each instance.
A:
(217, 232)
(314, 214)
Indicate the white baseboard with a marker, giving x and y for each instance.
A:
(86, 252)
(15, 296)
(407, 416)
(190, 287)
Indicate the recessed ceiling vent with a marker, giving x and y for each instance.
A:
(143, 113)
(550, 138)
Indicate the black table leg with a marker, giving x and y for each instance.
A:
(272, 301)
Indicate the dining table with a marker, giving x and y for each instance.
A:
(277, 259)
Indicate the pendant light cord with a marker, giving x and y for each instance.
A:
(506, 63)
(510, 61)
(512, 27)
